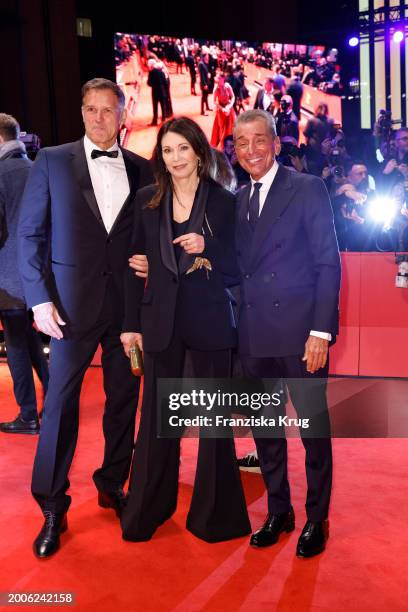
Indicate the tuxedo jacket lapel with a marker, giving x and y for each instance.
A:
(166, 233)
(196, 222)
(84, 179)
(195, 225)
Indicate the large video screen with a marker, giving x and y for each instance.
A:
(163, 76)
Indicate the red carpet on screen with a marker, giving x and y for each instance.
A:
(363, 567)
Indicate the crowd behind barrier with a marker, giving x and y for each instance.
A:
(368, 189)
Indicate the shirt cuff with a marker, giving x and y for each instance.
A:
(323, 335)
(34, 308)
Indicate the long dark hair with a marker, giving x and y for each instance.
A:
(196, 138)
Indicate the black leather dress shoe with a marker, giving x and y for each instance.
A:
(19, 425)
(274, 525)
(112, 499)
(313, 539)
(48, 540)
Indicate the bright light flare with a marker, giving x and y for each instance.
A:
(398, 36)
(382, 210)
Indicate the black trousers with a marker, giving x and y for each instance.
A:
(309, 402)
(69, 360)
(218, 510)
(24, 352)
(204, 100)
(156, 100)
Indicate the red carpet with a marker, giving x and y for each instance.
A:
(363, 568)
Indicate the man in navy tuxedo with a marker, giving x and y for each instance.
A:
(75, 225)
(290, 269)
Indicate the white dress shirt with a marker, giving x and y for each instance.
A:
(109, 181)
(267, 181)
(267, 100)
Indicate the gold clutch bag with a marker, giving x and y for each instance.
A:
(136, 361)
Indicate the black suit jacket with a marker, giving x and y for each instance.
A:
(259, 101)
(290, 267)
(157, 81)
(65, 253)
(198, 300)
(204, 70)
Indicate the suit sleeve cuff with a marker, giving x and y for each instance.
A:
(323, 335)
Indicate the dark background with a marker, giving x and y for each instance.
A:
(44, 62)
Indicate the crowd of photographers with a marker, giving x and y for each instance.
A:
(368, 193)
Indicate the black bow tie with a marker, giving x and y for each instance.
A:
(98, 153)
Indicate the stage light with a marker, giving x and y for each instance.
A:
(382, 210)
(353, 41)
(398, 36)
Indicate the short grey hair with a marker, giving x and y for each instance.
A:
(100, 83)
(255, 115)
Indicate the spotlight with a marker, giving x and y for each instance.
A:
(353, 41)
(398, 36)
(382, 210)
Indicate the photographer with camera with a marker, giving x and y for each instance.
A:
(350, 207)
(392, 168)
(291, 155)
(399, 195)
(336, 157)
(318, 129)
(287, 123)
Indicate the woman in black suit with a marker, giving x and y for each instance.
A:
(184, 216)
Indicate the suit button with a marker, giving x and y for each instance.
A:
(248, 305)
(276, 304)
(247, 276)
(109, 240)
(273, 274)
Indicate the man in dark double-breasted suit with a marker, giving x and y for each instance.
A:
(290, 278)
(74, 230)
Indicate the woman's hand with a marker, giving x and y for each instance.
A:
(140, 264)
(129, 339)
(193, 244)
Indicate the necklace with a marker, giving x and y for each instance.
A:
(178, 199)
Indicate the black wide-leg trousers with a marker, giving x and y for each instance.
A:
(69, 360)
(218, 509)
(309, 401)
